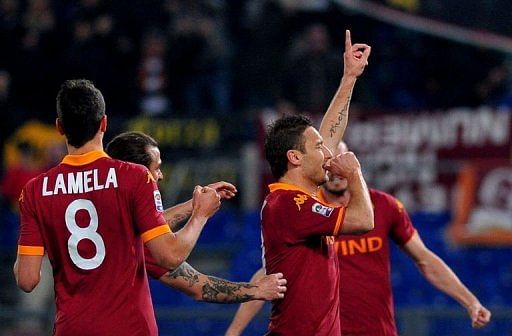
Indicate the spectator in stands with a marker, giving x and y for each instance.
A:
(199, 64)
(311, 77)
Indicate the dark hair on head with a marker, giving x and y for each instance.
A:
(80, 108)
(284, 134)
(131, 147)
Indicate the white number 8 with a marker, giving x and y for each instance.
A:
(89, 232)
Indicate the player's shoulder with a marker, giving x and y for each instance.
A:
(382, 198)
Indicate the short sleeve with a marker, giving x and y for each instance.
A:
(148, 208)
(30, 239)
(402, 228)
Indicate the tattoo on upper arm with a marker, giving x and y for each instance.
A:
(186, 272)
(231, 291)
(341, 115)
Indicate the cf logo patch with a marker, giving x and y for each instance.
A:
(300, 199)
(322, 210)
(158, 201)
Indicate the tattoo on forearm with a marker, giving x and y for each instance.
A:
(186, 272)
(341, 115)
(224, 291)
(178, 218)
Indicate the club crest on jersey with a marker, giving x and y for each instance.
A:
(322, 209)
(158, 201)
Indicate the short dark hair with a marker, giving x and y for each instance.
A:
(284, 134)
(80, 108)
(132, 147)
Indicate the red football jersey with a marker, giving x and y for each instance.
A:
(365, 289)
(297, 232)
(152, 268)
(91, 214)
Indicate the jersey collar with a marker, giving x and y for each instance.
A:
(286, 186)
(83, 159)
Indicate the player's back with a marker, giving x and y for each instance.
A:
(88, 211)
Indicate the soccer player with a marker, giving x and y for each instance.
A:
(365, 296)
(92, 214)
(142, 149)
(297, 227)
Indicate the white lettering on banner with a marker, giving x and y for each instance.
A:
(399, 153)
(439, 130)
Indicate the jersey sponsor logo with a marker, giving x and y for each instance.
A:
(158, 201)
(322, 209)
(300, 199)
(358, 246)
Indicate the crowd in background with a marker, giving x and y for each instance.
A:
(226, 59)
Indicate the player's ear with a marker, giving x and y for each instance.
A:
(58, 126)
(103, 124)
(294, 156)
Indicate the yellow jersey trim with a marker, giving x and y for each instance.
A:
(155, 232)
(83, 159)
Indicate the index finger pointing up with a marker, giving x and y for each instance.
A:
(348, 41)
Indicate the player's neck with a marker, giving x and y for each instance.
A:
(95, 144)
(304, 184)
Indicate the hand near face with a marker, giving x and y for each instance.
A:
(344, 165)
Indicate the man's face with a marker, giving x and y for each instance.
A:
(154, 166)
(315, 157)
(336, 184)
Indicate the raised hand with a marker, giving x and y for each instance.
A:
(225, 190)
(270, 287)
(205, 201)
(355, 57)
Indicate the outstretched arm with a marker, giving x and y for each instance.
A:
(246, 311)
(334, 122)
(443, 278)
(211, 289)
(178, 213)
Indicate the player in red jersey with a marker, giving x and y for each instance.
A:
(305, 254)
(140, 148)
(365, 289)
(297, 228)
(92, 214)
(370, 251)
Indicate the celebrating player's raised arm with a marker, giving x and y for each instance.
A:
(334, 122)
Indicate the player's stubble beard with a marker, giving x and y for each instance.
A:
(334, 192)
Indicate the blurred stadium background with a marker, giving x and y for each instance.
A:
(430, 121)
